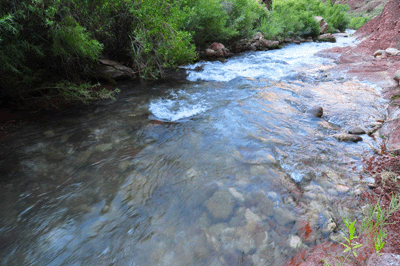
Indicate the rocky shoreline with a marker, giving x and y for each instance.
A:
(375, 60)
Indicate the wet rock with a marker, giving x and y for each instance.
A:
(392, 51)
(316, 111)
(356, 131)
(347, 137)
(200, 68)
(322, 24)
(221, 205)
(327, 38)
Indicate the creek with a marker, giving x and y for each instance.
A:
(223, 167)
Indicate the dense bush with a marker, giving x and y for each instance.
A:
(223, 20)
(358, 22)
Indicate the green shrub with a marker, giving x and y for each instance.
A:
(358, 22)
(295, 18)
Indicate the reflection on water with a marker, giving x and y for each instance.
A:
(226, 171)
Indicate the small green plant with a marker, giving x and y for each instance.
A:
(375, 220)
(351, 245)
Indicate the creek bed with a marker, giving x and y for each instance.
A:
(222, 168)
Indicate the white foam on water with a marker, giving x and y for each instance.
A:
(273, 64)
(178, 106)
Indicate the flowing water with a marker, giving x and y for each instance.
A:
(222, 168)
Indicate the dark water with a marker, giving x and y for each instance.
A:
(225, 169)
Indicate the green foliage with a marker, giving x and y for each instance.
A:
(350, 244)
(222, 20)
(70, 40)
(157, 40)
(292, 18)
(376, 219)
(358, 22)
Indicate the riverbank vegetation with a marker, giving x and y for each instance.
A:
(48, 47)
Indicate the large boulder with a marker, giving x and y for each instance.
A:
(111, 70)
(322, 24)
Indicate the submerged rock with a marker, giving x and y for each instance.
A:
(221, 205)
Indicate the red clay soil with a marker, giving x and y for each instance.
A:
(383, 32)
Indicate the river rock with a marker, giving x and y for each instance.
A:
(392, 51)
(356, 131)
(265, 204)
(327, 38)
(246, 243)
(108, 69)
(347, 137)
(322, 24)
(342, 188)
(221, 205)
(236, 194)
(284, 217)
(316, 111)
(251, 217)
